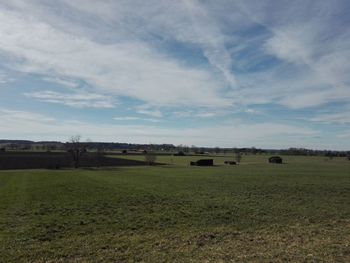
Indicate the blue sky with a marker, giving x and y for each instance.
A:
(272, 74)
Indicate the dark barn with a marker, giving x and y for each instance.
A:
(275, 159)
(203, 162)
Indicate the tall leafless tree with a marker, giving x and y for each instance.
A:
(77, 149)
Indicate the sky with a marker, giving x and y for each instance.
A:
(226, 73)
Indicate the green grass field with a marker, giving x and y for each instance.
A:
(253, 212)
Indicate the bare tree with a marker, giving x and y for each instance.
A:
(150, 158)
(238, 157)
(77, 149)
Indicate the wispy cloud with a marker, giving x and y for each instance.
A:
(4, 78)
(345, 135)
(126, 118)
(149, 110)
(124, 68)
(9, 115)
(313, 52)
(77, 100)
(206, 114)
(312, 45)
(339, 117)
(61, 81)
(132, 118)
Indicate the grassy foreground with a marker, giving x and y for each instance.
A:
(254, 212)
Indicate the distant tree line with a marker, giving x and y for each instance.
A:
(166, 148)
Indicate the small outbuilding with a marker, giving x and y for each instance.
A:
(275, 159)
(203, 162)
